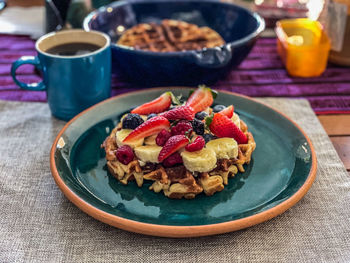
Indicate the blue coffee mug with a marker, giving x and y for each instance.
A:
(72, 83)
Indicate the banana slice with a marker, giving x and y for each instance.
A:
(224, 148)
(151, 140)
(121, 135)
(236, 120)
(199, 161)
(148, 153)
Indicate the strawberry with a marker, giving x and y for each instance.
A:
(179, 113)
(148, 128)
(200, 99)
(197, 145)
(228, 111)
(172, 145)
(222, 126)
(158, 105)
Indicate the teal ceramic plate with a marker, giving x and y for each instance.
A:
(282, 170)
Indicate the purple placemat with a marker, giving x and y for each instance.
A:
(260, 75)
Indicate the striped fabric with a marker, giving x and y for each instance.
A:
(260, 75)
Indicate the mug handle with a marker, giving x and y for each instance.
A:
(39, 86)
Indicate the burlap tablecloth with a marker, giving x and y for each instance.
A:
(38, 224)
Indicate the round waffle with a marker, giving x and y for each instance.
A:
(170, 36)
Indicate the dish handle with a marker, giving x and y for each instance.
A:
(213, 57)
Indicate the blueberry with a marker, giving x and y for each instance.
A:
(208, 137)
(218, 108)
(132, 121)
(198, 126)
(151, 116)
(201, 115)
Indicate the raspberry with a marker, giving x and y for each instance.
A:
(125, 154)
(182, 128)
(173, 159)
(196, 145)
(162, 137)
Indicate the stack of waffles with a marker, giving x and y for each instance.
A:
(183, 149)
(178, 182)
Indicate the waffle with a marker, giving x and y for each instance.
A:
(170, 36)
(177, 182)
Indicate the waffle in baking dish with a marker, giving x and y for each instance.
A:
(170, 36)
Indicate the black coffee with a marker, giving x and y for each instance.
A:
(73, 49)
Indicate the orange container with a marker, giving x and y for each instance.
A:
(303, 46)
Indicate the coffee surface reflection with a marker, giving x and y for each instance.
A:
(73, 49)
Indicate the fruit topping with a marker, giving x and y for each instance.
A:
(172, 145)
(236, 120)
(224, 148)
(179, 113)
(148, 128)
(122, 134)
(199, 161)
(148, 153)
(218, 108)
(208, 137)
(182, 128)
(222, 126)
(201, 115)
(162, 137)
(198, 126)
(172, 160)
(160, 104)
(196, 145)
(150, 116)
(200, 99)
(125, 154)
(150, 140)
(131, 121)
(228, 111)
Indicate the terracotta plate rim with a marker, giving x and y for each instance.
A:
(181, 231)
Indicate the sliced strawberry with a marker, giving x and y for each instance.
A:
(200, 99)
(179, 113)
(148, 128)
(228, 111)
(172, 145)
(222, 126)
(158, 105)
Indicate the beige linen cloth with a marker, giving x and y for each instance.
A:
(38, 224)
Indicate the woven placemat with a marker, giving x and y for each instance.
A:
(38, 224)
